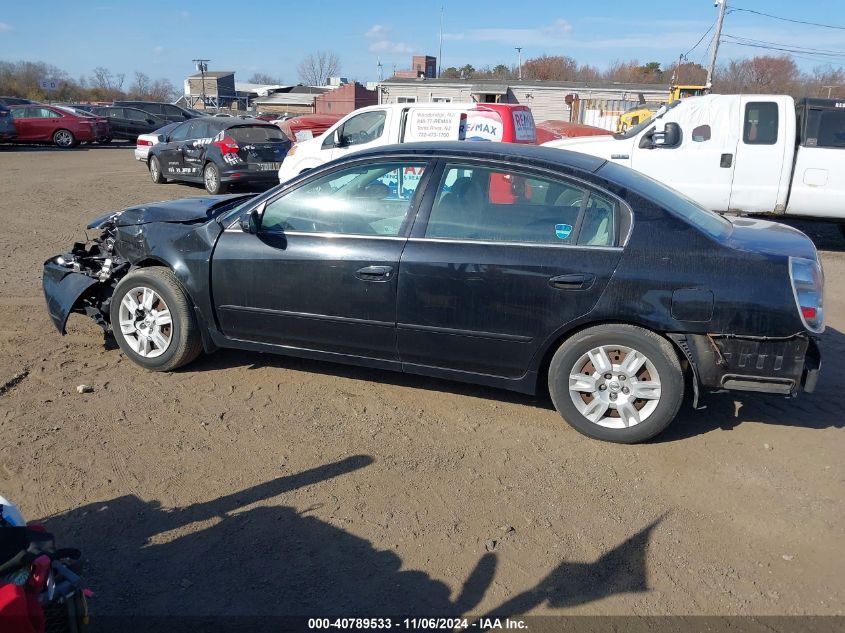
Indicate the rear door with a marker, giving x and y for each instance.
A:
(486, 280)
(763, 155)
(117, 121)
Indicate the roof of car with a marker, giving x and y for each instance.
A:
(523, 153)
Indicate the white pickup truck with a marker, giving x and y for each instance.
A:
(745, 154)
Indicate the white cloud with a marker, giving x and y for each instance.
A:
(5, 28)
(184, 14)
(378, 31)
(158, 50)
(381, 42)
(386, 46)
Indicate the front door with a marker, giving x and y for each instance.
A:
(702, 165)
(362, 131)
(171, 151)
(321, 272)
(34, 123)
(488, 278)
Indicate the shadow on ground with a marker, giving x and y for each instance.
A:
(230, 558)
(818, 410)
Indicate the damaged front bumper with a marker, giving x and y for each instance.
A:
(83, 280)
(780, 365)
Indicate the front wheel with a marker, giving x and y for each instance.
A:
(211, 177)
(64, 138)
(153, 321)
(617, 383)
(155, 171)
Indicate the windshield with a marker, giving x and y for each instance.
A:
(673, 201)
(633, 131)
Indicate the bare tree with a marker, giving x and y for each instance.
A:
(316, 68)
(105, 80)
(264, 78)
(141, 87)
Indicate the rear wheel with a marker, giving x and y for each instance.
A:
(155, 170)
(617, 383)
(153, 321)
(64, 138)
(211, 178)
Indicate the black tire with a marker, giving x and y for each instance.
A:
(185, 340)
(155, 170)
(211, 179)
(658, 352)
(64, 139)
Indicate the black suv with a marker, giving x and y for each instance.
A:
(219, 151)
(127, 123)
(167, 111)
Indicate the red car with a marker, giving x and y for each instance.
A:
(39, 123)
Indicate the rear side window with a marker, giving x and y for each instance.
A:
(761, 123)
(135, 115)
(172, 110)
(180, 133)
(826, 128)
(476, 203)
(199, 129)
(245, 134)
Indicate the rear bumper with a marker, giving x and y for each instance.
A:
(781, 365)
(245, 174)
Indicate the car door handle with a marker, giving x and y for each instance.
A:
(374, 273)
(726, 160)
(576, 281)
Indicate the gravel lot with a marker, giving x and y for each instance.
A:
(249, 484)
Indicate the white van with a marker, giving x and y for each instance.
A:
(411, 122)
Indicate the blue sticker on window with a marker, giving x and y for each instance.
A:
(563, 231)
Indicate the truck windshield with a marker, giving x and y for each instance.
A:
(633, 131)
(676, 203)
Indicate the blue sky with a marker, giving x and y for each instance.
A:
(161, 37)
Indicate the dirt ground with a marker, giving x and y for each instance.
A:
(254, 484)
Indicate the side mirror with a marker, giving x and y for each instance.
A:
(670, 136)
(161, 138)
(251, 222)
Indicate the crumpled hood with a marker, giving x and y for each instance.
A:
(185, 210)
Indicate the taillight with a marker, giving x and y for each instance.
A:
(807, 279)
(142, 142)
(227, 145)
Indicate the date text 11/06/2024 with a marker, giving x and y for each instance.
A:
(414, 624)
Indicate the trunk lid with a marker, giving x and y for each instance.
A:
(773, 238)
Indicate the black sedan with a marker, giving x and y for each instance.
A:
(505, 265)
(219, 152)
(127, 123)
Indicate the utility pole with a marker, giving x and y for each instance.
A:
(519, 54)
(440, 49)
(829, 88)
(723, 4)
(202, 66)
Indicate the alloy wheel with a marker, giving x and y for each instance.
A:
(614, 386)
(145, 322)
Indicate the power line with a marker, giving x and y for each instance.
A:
(777, 17)
(701, 39)
(812, 59)
(820, 54)
(790, 47)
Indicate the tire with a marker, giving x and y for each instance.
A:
(64, 139)
(155, 170)
(143, 332)
(211, 178)
(616, 415)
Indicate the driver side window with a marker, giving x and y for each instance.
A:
(364, 128)
(369, 199)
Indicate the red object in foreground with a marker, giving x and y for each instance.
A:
(552, 130)
(316, 123)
